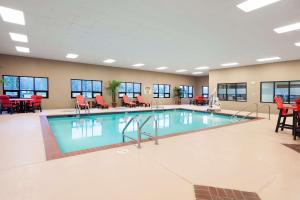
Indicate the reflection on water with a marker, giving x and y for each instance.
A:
(186, 117)
(83, 128)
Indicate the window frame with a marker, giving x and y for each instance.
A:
(133, 92)
(204, 94)
(274, 90)
(236, 94)
(189, 95)
(166, 94)
(81, 91)
(19, 86)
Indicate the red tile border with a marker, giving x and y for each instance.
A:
(52, 150)
(215, 193)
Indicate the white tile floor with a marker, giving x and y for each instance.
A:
(246, 156)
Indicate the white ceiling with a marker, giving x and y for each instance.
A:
(174, 33)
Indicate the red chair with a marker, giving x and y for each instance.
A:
(127, 102)
(7, 105)
(35, 103)
(284, 112)
(141, 101)
(296, 120)
(81, 103)
(100, 102)
(200, 100)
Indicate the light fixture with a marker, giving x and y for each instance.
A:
(23, 49)
(162, 68)
(268, 59)
(203, 67)
(181, 70)
(297, 44)
(229, 64)
(12, 15)
(109, 61)
(288, 28)
(197, 73)
(138, 65)
(71, 55)
(250, 5)
(18, 37)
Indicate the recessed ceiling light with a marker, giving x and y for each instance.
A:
(200, 68)
(138, 65)
(71, 55)
(18, 37)
(161, 68)
(297, 44)
(268, 59)
(181, 70)
(12, 15)
(251, 5)
(23, 49)
(288, 28)
(229, 64)
(197, 73)
(109, 61)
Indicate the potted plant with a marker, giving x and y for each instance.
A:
(113, 87)
(177, 94)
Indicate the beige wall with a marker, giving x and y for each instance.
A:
(201, 81)
(253, 75)
(60, 73)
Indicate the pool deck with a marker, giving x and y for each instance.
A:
(247, 156)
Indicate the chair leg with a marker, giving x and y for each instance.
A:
(278, 122)
(283, 123)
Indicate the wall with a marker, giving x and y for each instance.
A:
(253, 75)
(201, 81)
(60, 73)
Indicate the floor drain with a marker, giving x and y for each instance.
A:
(122, 151)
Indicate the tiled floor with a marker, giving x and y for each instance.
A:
(246, 157)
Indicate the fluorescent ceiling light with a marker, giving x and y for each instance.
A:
(23, 49)
(18, 37)
(297, 44)
(268, 59)
(181, 70)
(250, 5)
(109, 61)
(12, 15)
(138, 65)
(200, 68)
(288, 28)
(71, 55)
(229, 64)
(197, 73)
(162, 68)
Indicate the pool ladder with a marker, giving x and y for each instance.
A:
(257, 108)
(139, 131)
(77, 109)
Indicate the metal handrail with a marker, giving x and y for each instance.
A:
(257, 111)
(269, 109)
(126, 126)
(244, 108)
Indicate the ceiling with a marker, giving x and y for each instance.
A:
(174, 33)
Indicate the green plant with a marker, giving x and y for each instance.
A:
(177, 92)
(113, 87)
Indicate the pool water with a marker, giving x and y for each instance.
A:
(77, 133)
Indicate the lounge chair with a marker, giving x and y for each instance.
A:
(35, 103)
(283, 113)
(7, 105)
(141, 101)
(81, 103)
(127, 102)
(100, 102)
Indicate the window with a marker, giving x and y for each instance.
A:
(205, 91)
(86, 88)
(130, 89)
(288, 91)
(161, 91)
(232, 91)
(187, 91)
(25, 86)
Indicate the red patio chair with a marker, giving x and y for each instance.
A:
(296, 120)
(141, 101)
(100, 102)
(35, 103)
(200, 100)
(127, 102)
(284, 112)
(7, 105)
(81, 103)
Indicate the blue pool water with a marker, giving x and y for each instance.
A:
(89, 131)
